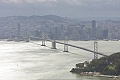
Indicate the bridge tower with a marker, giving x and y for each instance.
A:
(95, 50)
(53, 44)
(66, 45)
(43, 39)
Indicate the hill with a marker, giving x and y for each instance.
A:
(9, 25)
(109, 65)
(54, 18)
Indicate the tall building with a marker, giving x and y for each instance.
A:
(93, 23)
(18, 30)
(105, 34)
(82, 32)
(76, 34)
(94, 29)
(89, 33)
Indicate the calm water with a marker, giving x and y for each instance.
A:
(30, 61)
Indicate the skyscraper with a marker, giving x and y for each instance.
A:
(18, 30)
(94, 29)
(105, 34)
(93, 24)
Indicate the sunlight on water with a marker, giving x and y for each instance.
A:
(30, 61)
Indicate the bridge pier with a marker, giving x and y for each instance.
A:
(43, 42)
(95, 50)
(65, 48)
(43, 39)
(66, 45)
(53, 45)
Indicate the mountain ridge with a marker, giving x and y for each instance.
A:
(54, 18)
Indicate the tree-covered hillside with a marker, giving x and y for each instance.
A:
(109, 65)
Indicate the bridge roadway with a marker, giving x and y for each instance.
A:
(77, 47)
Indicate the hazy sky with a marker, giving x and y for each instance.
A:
(65, 8)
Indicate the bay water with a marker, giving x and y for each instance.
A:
(31, 61)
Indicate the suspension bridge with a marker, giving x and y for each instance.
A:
(65, 43)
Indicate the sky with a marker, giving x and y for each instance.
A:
(64, 8)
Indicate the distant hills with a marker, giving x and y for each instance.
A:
(54, 18)
(29, 25)
(55, 26)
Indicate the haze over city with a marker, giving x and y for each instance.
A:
(60, 39)
(63, 8)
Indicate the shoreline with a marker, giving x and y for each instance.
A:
(108, 66)
(97, 74)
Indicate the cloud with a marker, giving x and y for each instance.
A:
(69, 2)
(61, 7)
(11, 1)
(26, 1)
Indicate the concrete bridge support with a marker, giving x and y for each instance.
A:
(66, 45)
(53, 45)
(43, 42)
(65, 48)
(43, 39)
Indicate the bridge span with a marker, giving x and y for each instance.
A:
(81, 48)
(96, 53)
(65, 43)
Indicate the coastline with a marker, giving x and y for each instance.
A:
(97, 74)
(108, 66)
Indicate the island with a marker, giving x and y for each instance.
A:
(108, 66)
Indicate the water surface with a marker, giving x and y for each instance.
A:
(30, 61)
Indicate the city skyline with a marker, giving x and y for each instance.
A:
(64, 8)
(58, 27)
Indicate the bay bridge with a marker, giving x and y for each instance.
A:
(65, 43)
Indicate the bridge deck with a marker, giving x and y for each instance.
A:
(78, 47)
